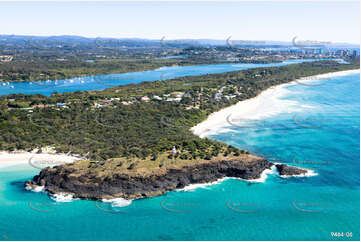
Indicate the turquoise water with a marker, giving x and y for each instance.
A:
(105, 81)
(322, 134)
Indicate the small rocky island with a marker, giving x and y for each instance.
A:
(285, 170)
(85, 183)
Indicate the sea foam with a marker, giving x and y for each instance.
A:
(62, 197)
(58, 197)
(35, 188)
(118, 202)
(262, 179)
(264, 175)
(267, 104)
(255, 110)
(193, 187)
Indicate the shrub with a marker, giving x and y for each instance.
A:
(131, 166)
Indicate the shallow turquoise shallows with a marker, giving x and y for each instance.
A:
(318, 129)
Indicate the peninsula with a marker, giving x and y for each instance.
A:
(136, 141)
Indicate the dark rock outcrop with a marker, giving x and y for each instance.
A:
(87, 185)
(61, 179)
(285, 170)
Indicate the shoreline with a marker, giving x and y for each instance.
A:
(35, 160)
(182, 179)
(249, 109)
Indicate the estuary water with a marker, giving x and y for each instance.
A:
(314, 125)
(101, 82)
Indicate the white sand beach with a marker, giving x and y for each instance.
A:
(251, 109)
(257, 108)
(47, 158)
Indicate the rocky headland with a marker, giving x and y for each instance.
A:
(84, 184)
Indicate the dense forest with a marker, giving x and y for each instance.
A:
(125, 125)
(57, 69)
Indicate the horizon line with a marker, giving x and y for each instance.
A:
(163, 37)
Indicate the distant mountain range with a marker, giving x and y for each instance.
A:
(139, 42)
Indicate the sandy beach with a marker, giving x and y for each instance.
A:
(257, 108)
(47, 158)
(253, 109)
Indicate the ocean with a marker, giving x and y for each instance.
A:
(313, 124)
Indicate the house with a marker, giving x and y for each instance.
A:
(38, 106)
(157, 97)
(170, 99)
(61, 105)
(187, 95)
(218, 96)
(97, 105)
(177, 94)
(230, 96)
(145, 98)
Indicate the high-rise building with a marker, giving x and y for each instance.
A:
(354, 53)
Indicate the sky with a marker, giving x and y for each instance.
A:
(316, 21)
